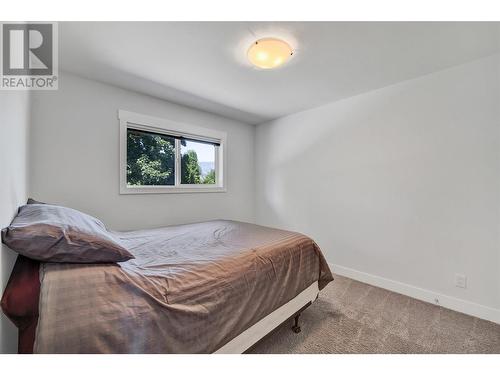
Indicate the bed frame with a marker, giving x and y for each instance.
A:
(265, 326)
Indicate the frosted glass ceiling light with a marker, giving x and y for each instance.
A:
(269, 53)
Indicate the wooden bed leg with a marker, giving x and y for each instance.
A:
(296, 327)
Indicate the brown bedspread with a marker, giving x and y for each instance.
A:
(191, 289)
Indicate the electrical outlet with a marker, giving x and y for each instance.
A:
(460, 281)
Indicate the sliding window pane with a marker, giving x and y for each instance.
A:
(197, 163)
(150, 158)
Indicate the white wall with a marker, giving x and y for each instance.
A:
(75, 158)
(399, 186)
(14, 124)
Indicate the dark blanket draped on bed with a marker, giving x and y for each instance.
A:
(20, 301)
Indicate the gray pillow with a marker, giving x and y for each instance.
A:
(51, 233)
(32, 201)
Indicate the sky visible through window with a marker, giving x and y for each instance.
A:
(204, 151)
(205, 154)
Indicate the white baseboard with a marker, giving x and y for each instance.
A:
(452, 303)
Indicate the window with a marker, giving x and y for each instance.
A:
(150, 158)
(197, 162)
(160, 156)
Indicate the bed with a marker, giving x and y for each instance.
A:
(210, 287)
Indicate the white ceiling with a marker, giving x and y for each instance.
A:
(203, 64)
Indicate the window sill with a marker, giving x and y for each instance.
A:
(170, 190)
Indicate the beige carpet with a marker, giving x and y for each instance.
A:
(352, 317)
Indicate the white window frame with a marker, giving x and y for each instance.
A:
(139, 121)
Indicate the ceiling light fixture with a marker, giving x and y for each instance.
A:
(269, 53)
